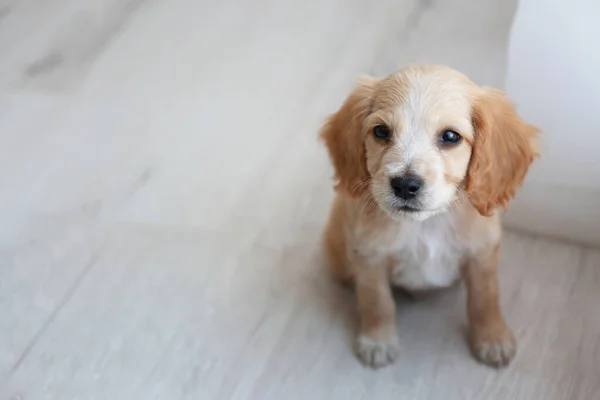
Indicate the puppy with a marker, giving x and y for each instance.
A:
(425, 160)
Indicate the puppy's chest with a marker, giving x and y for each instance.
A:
(426, 256)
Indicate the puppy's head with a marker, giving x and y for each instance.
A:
(419, 139)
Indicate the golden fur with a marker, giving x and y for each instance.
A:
(376, 240)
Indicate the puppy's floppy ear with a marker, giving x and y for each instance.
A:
(504, 148)
(343, 135)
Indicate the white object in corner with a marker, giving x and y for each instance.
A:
(554, 77)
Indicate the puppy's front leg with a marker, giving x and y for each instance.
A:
(490, 338)
(377, 341)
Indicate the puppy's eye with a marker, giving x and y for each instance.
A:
(449, 137)
(382, 132)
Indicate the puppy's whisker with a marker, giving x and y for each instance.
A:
(368, 204)
(361, 185)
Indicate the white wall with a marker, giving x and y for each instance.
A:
(554, 77)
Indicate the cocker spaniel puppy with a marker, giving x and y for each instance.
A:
(425, 160)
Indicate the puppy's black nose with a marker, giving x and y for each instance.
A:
(406, 187)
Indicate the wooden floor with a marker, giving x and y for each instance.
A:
(163, 193)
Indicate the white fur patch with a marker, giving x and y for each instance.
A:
(427, 254)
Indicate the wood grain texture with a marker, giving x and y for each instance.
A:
(163, 196)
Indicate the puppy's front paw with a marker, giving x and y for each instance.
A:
(495, 347)
(377, 353)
